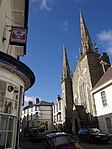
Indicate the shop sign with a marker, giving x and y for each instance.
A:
(18, 36)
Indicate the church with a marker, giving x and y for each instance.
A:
(77, 100)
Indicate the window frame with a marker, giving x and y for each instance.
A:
(104, 98)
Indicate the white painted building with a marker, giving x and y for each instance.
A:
(103, 100)
(58, 114)
(15, 76)
(38, 115)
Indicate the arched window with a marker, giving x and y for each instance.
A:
(75, 99)
(88, 95)
(82, 92)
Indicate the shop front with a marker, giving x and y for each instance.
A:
(15, 79)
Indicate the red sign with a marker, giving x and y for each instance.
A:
(18, 36)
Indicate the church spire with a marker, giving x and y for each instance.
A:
(85, 37)
(66, 68)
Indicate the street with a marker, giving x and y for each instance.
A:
(25, 143)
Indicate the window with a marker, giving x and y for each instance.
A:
(36, 108)
(0, 2)
(82, 94)
(59, 116)
(6, 130)
(103, 97)
(2, 95)
(25, 111)
(57, 107)
(54, 109)
(32, 109)
(60, 105)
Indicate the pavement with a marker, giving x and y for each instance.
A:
(110, 141)
(25, 143)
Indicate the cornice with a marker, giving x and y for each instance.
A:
(19, 68)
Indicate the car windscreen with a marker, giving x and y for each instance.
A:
(94, 130)
(60, 140)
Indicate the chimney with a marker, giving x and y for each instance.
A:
(58, 98)
(37, 100)
(30, 103)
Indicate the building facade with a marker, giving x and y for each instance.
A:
(102, 93)
(38, 115)
(76, 90)
(15, 76)
(58, 114)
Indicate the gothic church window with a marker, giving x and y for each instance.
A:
(75, 99)
(82, 93)
(103, 97)
(84, 70)
(89, 104)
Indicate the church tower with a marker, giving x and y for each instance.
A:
(85, 37)
(67, 93)
(89, 69)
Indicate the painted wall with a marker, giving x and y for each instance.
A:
(98, 101)
(104, 112)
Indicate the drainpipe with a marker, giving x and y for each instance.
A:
(18, 120)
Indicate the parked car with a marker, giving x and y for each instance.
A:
(61, 140)
(92, 135)
(37, 134)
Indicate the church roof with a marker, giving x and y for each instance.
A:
(107, 76)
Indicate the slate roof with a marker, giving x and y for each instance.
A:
(107, 76)
(45, 103)
(41, 103)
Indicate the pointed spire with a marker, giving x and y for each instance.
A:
(85, 37)
(66, 68)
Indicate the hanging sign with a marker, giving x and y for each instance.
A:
(18, 36)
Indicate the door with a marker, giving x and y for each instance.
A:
(109, 125)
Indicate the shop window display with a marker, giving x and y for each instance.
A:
(8, 115)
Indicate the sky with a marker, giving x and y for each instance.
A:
(54, 23)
